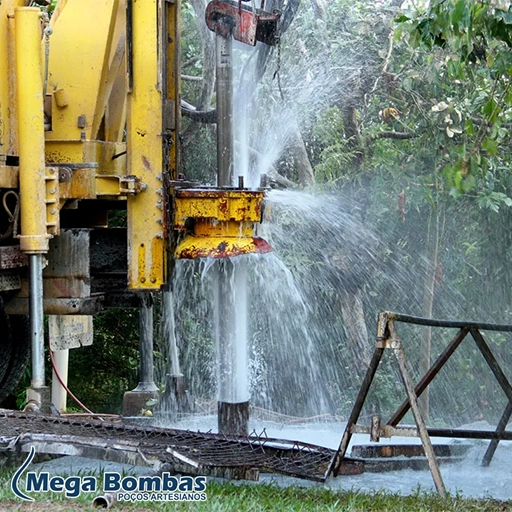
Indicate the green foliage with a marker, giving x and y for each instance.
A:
(470, 46)
(101, 373)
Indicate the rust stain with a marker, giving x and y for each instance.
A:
(224, 206)
(216, 193)
(146, 163)
(225, 249)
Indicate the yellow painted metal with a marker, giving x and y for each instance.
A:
(146, 210)
(192, 247)
(8, 104)
(223, 205)
(213, 239)
(231, 229)
(172, 107)
(114, 185)
(115, 113)
(4, 73)
(52, 194)
(224, 222)
(32, 172)
(86, 53)
(8, 108)
(61, 97)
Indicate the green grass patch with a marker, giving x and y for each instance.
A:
(248, 497)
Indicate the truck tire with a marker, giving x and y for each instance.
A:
(5, 341)
(14, 350)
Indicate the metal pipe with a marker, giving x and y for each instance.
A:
(146, 381)
(36, 319)
(233, 403)
(445, 323)
(170, 331)
(231, 342)
(224, 86)
(106, 500)
(59, 393)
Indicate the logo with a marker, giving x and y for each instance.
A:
(14, 482)
(164, 487)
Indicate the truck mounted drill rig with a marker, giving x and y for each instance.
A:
(89, 123)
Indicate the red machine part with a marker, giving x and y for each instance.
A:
(246, 25)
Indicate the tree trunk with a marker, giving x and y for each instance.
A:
(356, 333)
(432, 250)
(300, 158)
(353, 133)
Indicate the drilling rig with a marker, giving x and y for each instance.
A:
(90, 124)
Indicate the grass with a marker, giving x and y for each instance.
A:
(230, 497)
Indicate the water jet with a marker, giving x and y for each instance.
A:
(219, 222)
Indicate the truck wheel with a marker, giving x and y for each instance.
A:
(5, 341)
(14, 350)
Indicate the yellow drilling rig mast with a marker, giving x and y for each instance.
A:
(89, 123)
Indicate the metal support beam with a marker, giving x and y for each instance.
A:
(356, 410)
(146, 210)
(505, 386)
(502, 425)
(387, 338)
(429, 376)
(413, 400)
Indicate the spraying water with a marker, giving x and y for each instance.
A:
(309, 309)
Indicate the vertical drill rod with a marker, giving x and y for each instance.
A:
(225, 156)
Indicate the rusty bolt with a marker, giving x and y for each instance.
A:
(153, 279)
(65, 174)
(142, 279)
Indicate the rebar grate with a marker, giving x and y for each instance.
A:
(182, 450)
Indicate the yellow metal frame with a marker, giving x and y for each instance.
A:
(146, 245)
(223, 205)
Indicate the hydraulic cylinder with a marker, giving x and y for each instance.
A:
(34, 237)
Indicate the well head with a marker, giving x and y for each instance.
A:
(220, 223)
